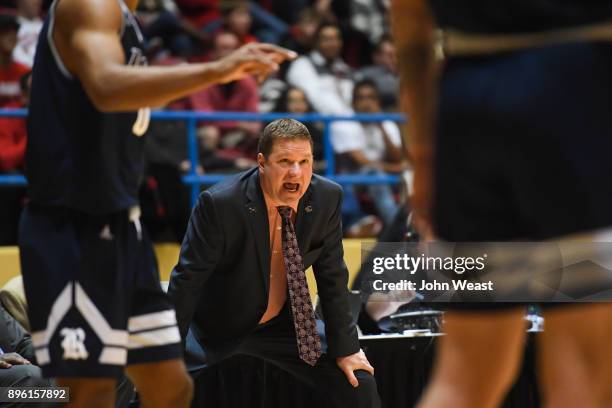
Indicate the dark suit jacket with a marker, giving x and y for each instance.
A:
(13, 337)
(220, 285)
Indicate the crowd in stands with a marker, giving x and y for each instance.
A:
(16, 54)
(346, 65)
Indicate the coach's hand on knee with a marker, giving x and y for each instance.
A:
(349, 364)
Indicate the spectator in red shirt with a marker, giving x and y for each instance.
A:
(13, 135)
(10, 70)
(12, 141)
(13, 131)
(236, 138)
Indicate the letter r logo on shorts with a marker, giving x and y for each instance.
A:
(114, 341)
(74, 344)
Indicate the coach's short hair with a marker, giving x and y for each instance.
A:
(282, 129)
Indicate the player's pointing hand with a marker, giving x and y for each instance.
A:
(259, 60)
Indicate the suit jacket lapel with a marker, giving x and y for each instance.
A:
(257, 213)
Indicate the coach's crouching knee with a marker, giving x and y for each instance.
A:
(367, 390)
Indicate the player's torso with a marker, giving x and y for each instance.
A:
(77, 156)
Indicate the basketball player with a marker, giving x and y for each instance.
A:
(512, 142)
(95, 303)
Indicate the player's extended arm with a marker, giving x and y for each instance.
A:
(86, 34)
(413, 31)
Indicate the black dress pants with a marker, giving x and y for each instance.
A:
(275, 342)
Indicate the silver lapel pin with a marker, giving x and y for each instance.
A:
(252, 209)
(308, 209)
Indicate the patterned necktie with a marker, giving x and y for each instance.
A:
(308, 340)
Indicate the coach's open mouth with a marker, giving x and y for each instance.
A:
(292, 187)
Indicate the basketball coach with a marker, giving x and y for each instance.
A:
(239, 285)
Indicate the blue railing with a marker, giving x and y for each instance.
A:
(192, 118)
